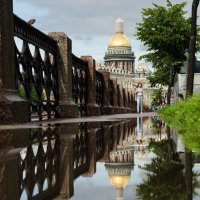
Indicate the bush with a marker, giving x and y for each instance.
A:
(185, 117)
(34, 95)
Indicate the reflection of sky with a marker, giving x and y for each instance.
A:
(98, 187)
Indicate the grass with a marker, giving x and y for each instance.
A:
(185, 118)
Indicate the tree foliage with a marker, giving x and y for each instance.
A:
(165, 31)
(157, 97)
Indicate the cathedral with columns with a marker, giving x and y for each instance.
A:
(119, 61)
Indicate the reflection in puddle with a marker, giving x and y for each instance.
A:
(128, 159)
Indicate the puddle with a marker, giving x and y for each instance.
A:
(126, 159)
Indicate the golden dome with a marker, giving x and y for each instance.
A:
(119, 40)
(119, 181)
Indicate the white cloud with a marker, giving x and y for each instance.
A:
(89, 23)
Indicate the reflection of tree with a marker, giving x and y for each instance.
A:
(156, 122)
(157, 125)
(165, 178)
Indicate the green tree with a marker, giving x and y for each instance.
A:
(165, 31)
(156, 97)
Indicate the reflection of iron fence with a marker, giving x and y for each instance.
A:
(36, 69)
(79, 83)
(99, 144)
(80, 146)
(39, 165)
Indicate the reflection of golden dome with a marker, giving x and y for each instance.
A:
(119, 40)
(119, 181)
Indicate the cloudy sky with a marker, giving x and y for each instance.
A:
(89, 23)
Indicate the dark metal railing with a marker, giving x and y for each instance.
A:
(39, 165)
(118, 95)
(124, 97)
(36, 70)
(79, 83)
(111, 88)
(129, 100)
(99, 89)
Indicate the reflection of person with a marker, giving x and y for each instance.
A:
(139, 131)
(139, 97)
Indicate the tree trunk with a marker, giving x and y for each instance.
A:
(169, 90)
(192, 50)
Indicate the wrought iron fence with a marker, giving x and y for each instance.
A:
(79, 83)
(129, 100)
(39, 165)
(36, 70)
(99, 89)
(118, 95)
(124, 97)
(111, 88)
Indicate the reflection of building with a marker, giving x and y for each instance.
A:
(119, 170)
(141, 74)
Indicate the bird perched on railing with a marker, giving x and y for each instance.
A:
(31, 22)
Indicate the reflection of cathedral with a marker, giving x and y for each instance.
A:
(119, 60)
(119, 170)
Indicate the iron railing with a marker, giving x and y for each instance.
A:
(99, 89)
(79, 83)
(118, 95)
(36, 70)
(124, 97)
(111, 88)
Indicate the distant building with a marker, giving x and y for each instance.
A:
(179, 89)
(119, 60)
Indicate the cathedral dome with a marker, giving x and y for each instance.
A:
(119, 40)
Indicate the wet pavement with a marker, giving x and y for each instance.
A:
(101, 118)
(126, 156)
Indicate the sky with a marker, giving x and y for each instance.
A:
(89, 23)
